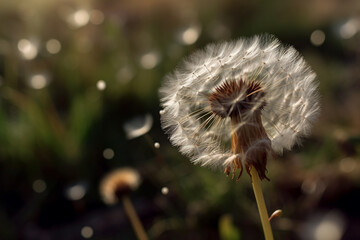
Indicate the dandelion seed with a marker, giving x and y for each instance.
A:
(275, 214)
(138, 126)
(234, 104)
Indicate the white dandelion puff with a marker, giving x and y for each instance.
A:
(232, 104)
(118, 183)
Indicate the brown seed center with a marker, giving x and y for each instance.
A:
(243, 102)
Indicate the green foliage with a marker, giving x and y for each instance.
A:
(227, 229)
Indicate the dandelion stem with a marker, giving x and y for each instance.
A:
(134, 219)
(261, 204)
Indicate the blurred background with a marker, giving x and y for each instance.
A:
(79, 98)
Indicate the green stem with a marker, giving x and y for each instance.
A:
(261, 204)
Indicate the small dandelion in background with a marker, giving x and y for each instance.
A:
(234, 104)
(115, 187)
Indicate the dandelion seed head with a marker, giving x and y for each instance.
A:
(233, 104)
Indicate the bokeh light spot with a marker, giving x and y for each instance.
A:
(101, 85)
(124, 75)
(81, 17)
(164, 190)
(38, 81)
(53, 46)
(96, 17)
(349, 28)
(27, 49)
(108, 153)
(150, 60)
(157, 145)
(317, 37)
(87, 232)
(347, 165)
(190, 35)
(39, 186)
(330, 228)
(75, 192)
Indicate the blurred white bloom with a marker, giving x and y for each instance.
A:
(138, 126)
(234, 103)
(117, 183)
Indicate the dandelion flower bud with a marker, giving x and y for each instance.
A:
(233, 104)
(118, 183)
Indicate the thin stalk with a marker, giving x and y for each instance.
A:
(134, 219)
(261, 204)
